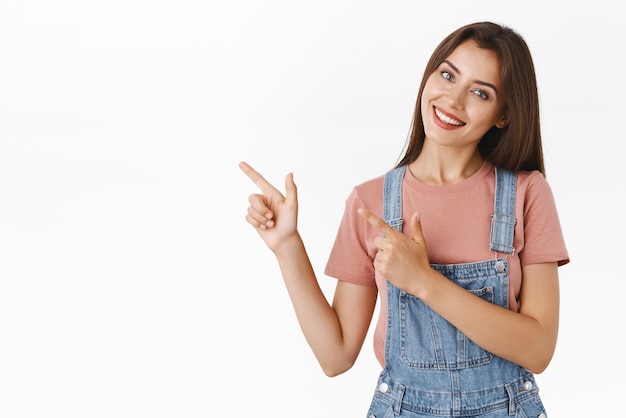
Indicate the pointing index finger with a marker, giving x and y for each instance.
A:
(257, 178)
(376, 222)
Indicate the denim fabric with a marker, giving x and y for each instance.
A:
(431, 368)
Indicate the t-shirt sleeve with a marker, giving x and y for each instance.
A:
(543, 236)
(349, 258)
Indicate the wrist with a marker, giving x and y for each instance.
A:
(288, 246)
(427, 285)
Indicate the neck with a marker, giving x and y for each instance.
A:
(439, 169)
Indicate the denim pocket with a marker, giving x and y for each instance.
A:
(428, 341)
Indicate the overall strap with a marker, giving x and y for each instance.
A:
(392, 197)
(502, 221)
(503, 218)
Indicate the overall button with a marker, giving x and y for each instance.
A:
(527, 386)
(542, 415)
(383, 387)
(499, 266)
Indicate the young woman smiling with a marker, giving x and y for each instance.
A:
(460, 242)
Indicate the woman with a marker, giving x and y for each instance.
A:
(461, 241)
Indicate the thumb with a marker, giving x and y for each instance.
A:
(416, 228)
(291, 191)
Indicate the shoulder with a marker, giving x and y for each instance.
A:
(369, 189)
(533, 185)
(530, 177)
(540, 225)
(368, 193)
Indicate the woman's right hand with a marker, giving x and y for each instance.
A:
(273, 215)
(335, 333)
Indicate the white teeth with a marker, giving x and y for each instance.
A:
(448, 119)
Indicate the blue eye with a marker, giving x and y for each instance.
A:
(481, 94)
(447, 75)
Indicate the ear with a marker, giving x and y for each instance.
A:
(503, 121)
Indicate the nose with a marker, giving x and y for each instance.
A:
(456, 97)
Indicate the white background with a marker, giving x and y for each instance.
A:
(130, 284)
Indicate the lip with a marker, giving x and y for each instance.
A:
(445, 125)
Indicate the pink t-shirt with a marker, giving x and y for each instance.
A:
(456, 222)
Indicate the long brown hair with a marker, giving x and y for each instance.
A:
(517, 146)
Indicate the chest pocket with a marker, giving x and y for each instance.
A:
(428, 341)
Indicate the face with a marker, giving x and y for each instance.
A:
(463, 98)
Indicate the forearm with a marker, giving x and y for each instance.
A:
(517, 337)
(317, 318)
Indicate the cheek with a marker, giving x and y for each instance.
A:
(493, 118)
(429, 92)
(434, 89)
(424, 105)
(426, 110)
(481, 113)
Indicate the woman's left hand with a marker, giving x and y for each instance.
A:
(401, 259)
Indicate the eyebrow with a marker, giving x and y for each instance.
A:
(482, 83)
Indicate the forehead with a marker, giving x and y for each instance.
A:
(476, 63)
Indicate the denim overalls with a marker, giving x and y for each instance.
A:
(431, 368)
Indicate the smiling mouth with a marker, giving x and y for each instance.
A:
(447, 119)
